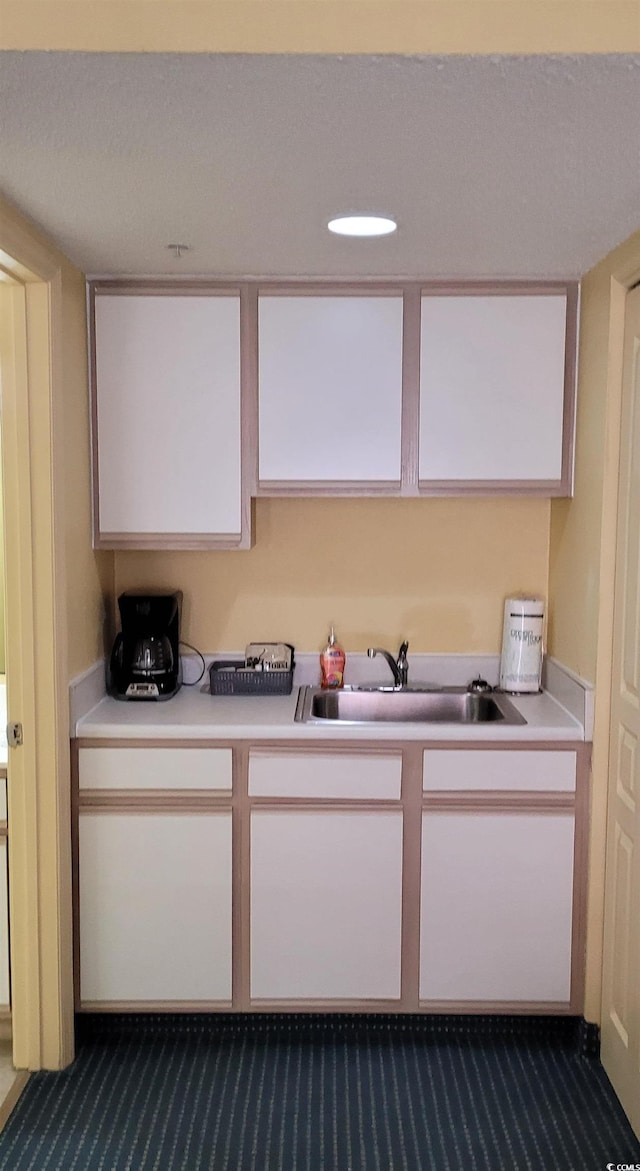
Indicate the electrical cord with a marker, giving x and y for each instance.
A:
(194, 682)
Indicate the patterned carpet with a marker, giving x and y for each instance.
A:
(272, 1093)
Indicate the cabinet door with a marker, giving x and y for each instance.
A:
(155, 907)
(330, 389)
(496, 907)
(326, 905)
(167, 412)
(492, 383)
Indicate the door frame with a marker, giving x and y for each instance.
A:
(40, 910)
(614, 1058)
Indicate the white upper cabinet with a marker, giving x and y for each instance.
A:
(204, 395)
(330, 390)
(492, 391)
(167, 419)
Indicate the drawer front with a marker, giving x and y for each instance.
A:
(155, 768)
(521, 771)
(366, 776)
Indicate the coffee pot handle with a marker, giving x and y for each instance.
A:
(116, 658)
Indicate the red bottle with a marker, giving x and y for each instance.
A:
(332, 661)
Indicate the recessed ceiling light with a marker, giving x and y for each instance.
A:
(362, 225)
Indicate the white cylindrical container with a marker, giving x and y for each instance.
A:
(521, 662)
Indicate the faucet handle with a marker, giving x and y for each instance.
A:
(402, 666)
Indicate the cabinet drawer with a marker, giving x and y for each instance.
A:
(553, 772)
(366, 776)
(155, 768)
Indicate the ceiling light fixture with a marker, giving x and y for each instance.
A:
(178, 249)
(362, 225)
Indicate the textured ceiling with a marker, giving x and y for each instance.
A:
(493, 166)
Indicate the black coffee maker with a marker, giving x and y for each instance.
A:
(145, 660)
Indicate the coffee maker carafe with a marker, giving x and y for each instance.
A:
(145, 660)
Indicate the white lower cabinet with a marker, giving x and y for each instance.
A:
(155, 906)
(327, 876)
(326, 904)
(496, 906)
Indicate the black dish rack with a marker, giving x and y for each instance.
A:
(235, 677)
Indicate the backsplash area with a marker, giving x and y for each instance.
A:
(434, 571)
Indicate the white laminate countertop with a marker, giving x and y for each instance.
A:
(194, 714)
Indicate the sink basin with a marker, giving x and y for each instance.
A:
(452, 705)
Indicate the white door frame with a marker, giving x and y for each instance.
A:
(40, 910)
(621, 967)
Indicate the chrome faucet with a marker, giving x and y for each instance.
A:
(399, 666)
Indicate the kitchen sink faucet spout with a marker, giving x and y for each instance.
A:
(399, 666)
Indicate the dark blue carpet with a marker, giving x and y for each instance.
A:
(322, 1094)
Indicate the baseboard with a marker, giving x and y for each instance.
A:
(12, 1096)
(568, 1032)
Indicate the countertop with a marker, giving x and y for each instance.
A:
(194, 714)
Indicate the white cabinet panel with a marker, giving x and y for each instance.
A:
(5, 995)
(492, 387)
(496, 906)
(155, 906)
(455, 769)
(326, 905)
(155, 768)
(365, 776)
(330, 387)
(168, 413)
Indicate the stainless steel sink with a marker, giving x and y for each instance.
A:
(449, 705)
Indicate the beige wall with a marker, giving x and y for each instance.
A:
(89, 576)
(323, 26)
(434, 571)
